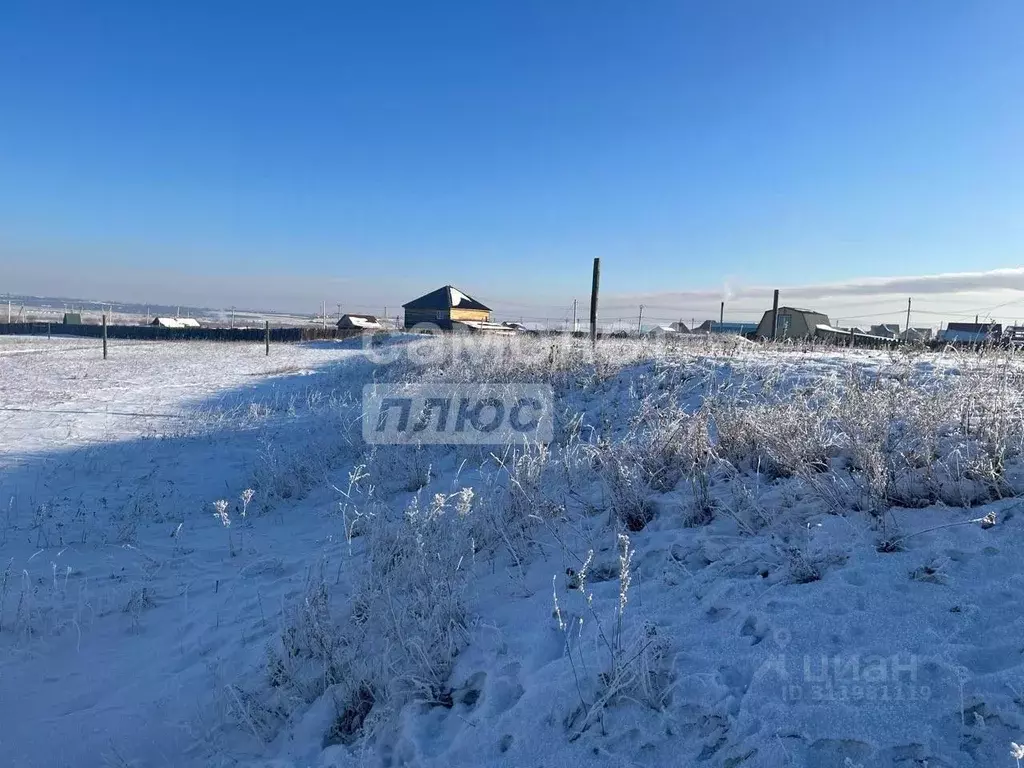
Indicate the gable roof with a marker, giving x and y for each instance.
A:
(975, 327)
(359, 321)
(797, 309)
(446, 298)
(167, 322)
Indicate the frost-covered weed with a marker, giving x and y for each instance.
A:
(515, 498)
(629, 661)
(297, 453)
(871, 439)
(712, 427)
(394, 638)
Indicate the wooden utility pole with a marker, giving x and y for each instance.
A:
(594, 286)
(907, 332)
(775, 315)
(640, 321)
(721, 314)
(574, 316)
(266, 335)
(104, 335)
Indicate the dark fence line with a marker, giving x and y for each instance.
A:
(156, 333)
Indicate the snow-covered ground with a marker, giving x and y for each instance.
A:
(728, 556)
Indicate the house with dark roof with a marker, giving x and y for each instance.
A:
(971, 333)
(791, 323)
(917, 335)
(359, 322)
(886, 330)
(444, 307)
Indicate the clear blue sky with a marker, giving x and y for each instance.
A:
(501, 145)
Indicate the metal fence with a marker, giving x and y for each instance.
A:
(156, 333)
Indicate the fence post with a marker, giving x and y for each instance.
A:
(104, 335)
(775, 316)
(594, 286)
(48, 330)
(267, 336)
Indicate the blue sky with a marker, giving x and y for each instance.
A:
(373, 151)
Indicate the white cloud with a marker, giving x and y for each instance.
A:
(918, 285)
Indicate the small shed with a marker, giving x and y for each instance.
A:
(791, 323)
(72, 318)
(661, 330)
(188, 322)
(360, 323)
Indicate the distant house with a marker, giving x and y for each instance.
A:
(661, 330)
(917, 335)
(445, 306)
(886, 330)
(971, 333)
(72, 318)
(791, 323)
(851, 336)
(1013, 335)
(360, 322)
(175, 322)
(679, 327)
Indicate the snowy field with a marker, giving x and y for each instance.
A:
(728, 556)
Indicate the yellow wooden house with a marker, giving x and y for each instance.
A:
(443, 307)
